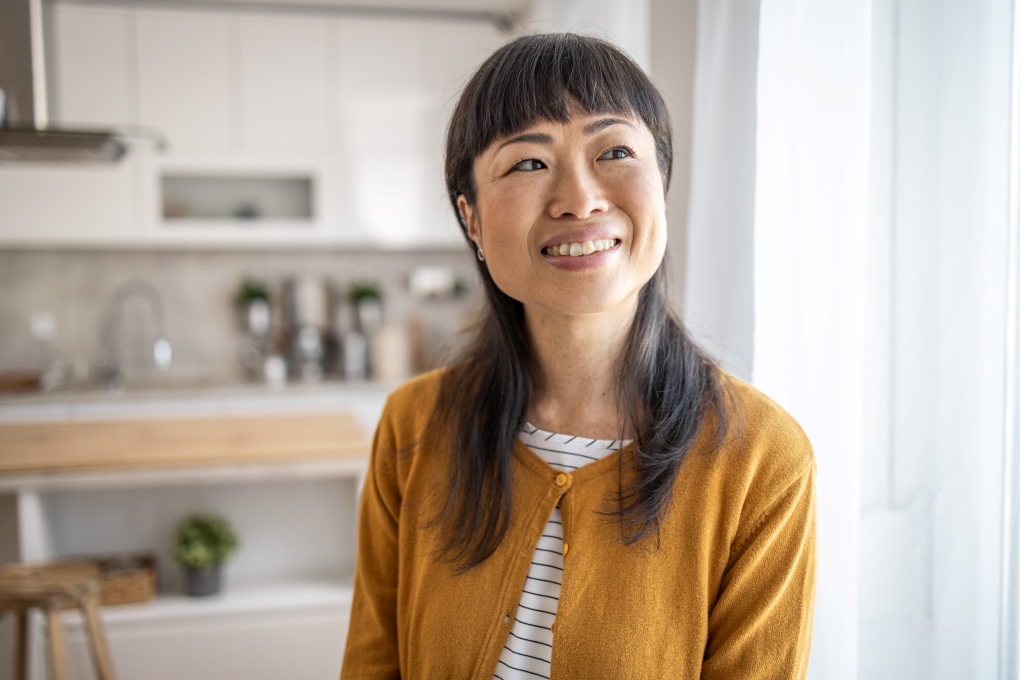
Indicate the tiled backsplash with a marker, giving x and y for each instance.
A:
(197, 288)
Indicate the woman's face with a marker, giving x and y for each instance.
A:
(571, 216)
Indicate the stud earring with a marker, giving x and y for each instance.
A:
(481, 255)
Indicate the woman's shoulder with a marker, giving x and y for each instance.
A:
(420, 388)
(765, 441)
(409, 408)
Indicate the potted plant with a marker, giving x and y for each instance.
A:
(253, 300)
(366, 297)
(204, 542)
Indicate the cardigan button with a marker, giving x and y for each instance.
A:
(562, 479)
(566, 547)
(506, 619)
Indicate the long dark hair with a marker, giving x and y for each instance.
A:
(671, 388)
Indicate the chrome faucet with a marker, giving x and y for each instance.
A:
(162, 353)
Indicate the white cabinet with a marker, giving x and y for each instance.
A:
(57, 204)
(51, 204)
(283, 85)
(295, 632)
(187, 78)
(97, 90)
(395, 85)
(385, 97)
(355, 107)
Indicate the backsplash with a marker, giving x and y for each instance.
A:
(197, 290)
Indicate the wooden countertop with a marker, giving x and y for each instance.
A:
(134, 444)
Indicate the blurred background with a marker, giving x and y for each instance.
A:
(224, 239)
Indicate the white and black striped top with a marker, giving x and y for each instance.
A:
(528, 649)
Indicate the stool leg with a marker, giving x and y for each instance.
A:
(100, 650)
(21, 644)
(57, 643)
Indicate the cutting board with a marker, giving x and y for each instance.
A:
(178, 442)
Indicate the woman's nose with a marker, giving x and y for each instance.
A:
(577, 193)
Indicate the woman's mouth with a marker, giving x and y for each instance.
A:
(581, 248)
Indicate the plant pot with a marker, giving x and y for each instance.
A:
(203, 582)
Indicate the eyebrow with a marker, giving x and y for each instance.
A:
(542, 138)
(532, 137)
(602, 123)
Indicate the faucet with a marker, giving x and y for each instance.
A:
(162, 353)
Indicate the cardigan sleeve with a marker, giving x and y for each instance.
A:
(760, 626)
(372, 650)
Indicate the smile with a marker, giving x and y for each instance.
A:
(580, 248)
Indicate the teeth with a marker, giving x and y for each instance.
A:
(578, 249)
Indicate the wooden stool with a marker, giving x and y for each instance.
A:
(54, 587)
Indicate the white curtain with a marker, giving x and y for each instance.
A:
(719, 286)
(874, 230)
(810, 223)
(931, 583)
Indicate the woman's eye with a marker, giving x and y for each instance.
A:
(613, 154)
(530, 164)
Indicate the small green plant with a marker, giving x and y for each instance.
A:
(204, 541)
(364, 290)
(251, 290)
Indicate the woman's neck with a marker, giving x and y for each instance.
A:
(577, 361)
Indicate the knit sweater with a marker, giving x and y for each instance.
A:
(724, 590)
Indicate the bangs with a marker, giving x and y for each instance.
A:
(545, 77)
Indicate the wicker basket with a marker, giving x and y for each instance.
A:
(126, 579)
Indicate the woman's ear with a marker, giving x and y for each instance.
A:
(474, 229)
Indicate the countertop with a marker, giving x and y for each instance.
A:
(126, 437)
(363, 400)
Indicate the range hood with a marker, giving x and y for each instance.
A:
(25, 130)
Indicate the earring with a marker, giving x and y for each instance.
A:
(481, 255)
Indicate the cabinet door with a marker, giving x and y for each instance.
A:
(394, 85)
(63, 204)
(187, 78)
(90, 66)
(304, 643)
(383, 95)
(283, 84)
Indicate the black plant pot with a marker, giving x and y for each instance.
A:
(202, 582)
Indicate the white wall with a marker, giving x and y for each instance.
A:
(623, 22)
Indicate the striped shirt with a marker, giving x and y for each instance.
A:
(528, 649)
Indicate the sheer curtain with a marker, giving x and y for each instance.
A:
(810, 223)
(878, 223)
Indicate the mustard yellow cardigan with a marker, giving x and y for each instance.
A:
(726, 592)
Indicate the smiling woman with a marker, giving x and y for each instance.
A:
(584, 493)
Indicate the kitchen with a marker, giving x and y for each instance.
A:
(224, 242)
(206, 298)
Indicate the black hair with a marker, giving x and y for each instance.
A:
(671, 389)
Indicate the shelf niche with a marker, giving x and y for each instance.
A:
(237, 199)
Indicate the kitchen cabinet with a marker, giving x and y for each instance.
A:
(57, 205)
(283, 85)
(355, 106)
(284, 467)
(187, 79)
(45, 204)
(97, 90)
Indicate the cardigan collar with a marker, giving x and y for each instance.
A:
(582, 475)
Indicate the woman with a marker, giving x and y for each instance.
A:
(585, 494)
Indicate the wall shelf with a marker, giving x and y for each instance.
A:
(237, 200)
(281, 597)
